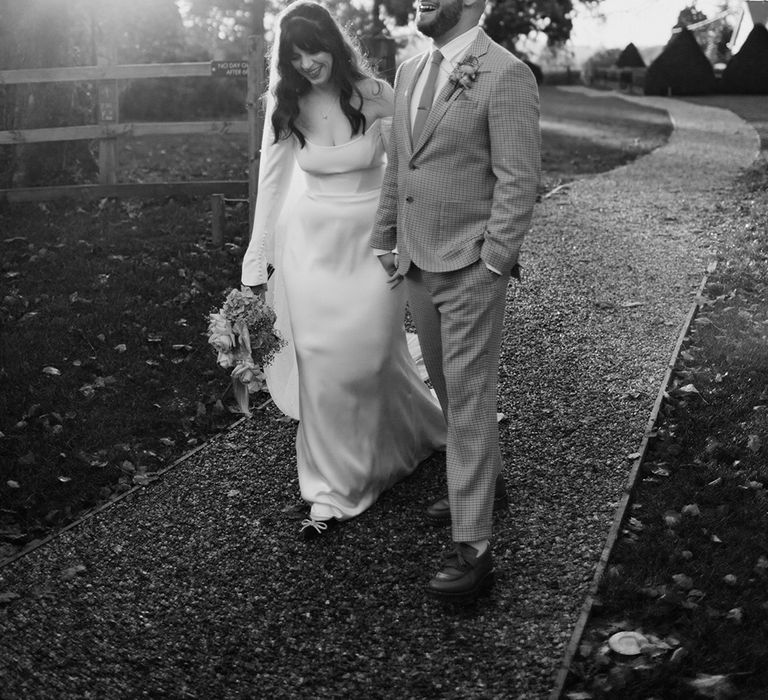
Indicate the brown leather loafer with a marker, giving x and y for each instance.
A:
(464, 574)
(439, 513)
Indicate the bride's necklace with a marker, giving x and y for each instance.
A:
(324, 107)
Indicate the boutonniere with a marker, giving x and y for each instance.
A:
(464, 73)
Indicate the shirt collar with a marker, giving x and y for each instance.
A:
(457, 47)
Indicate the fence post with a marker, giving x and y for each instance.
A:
(254, 105)
(217, 220)
(109, 113)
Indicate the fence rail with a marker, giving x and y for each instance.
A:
(136, 129)
(85, 74)
(148, 190)
(628, 79)
(109, 128)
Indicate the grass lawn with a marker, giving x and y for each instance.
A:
(690, 570)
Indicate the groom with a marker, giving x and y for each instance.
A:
(457, 199)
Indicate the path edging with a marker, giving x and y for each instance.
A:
(621, 510)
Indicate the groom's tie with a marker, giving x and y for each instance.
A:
(427, 95)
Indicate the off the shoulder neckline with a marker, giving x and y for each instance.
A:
(354, 139)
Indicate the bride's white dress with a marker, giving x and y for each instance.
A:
(366, 418)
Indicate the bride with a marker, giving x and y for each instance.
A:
(366, 418)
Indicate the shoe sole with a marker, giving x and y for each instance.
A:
(483, 586)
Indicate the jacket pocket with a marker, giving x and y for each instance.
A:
(462, 226)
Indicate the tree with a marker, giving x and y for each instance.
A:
(713, 36)
(630, 58)
(690, 15)
(507, 21)
(747, 72)
(225, 23)
(680, 69)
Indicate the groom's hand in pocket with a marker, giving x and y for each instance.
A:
(389, 263)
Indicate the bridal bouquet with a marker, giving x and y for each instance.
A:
(243, 334)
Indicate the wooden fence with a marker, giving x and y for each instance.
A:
(631, 80)
(110, 128)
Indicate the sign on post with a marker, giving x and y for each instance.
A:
(229, 69)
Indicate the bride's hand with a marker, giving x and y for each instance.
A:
(257, 289)
(389, 263)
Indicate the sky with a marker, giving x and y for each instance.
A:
(642, 22)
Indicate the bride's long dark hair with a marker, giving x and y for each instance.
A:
(309, 26)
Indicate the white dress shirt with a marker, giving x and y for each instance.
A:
(452, 52)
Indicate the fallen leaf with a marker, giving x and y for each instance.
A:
(754, 443)
(691, 509)
(72, 571)
(683, 581)
(87, 391)
(8, 597)
(709, 686)
(627, 643)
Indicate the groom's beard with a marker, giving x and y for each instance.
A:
(446, 18)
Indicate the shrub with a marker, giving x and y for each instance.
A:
(747, 71)
(630, 58)
(564, 76)
(536, 70)
(602, 59)
(680, 69)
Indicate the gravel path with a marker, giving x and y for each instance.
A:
(197, 587)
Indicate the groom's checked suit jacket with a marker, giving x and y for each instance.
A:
(466, 189)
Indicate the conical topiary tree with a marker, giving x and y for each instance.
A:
(747, 71)
(630, 58)
(680, 69)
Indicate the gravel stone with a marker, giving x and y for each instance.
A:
(197, 586)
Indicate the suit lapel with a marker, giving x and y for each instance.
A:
(478, 48)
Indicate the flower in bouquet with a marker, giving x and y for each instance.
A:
(243, 334)
(222, 337)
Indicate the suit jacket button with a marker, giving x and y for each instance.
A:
(409, 199)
